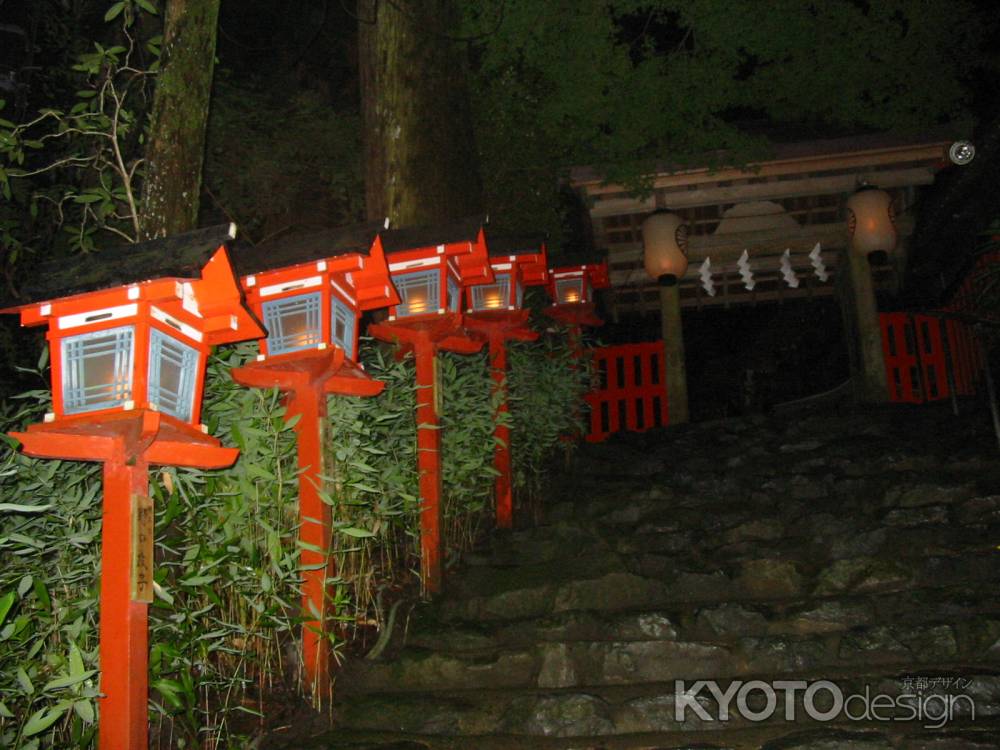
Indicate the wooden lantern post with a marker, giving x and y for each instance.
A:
(871, 230)
(664, 243)
(310, 292)
(429, 266)
(496, 313)
(128, 364)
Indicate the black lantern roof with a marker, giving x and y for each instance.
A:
(409, 238)
(500, 245)
(302, 247)
(181, 255)
(577, 257)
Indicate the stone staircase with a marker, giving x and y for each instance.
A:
(857, 548)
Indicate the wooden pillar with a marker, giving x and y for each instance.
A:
(124, 648)
(309, 404)
(861, 324)
(501, 454)
(429, 467)
(673, 347)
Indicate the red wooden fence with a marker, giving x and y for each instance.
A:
(631, 393)
(923, 351)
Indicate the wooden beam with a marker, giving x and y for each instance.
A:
(708, 194)
(933, 153)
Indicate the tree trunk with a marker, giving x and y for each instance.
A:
(176, 149)
(420, 156)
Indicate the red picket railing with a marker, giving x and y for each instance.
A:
(926, 355)
(631, 392)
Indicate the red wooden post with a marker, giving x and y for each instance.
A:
(124, 654)
(314, 532)
(425, 337)
(503, 491)
(127, 443)
(307, 379)
(429, 467)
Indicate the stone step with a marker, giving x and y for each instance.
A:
(968, 699)
(659, 657)
(583, 584)
(976, 622)
(864, 737)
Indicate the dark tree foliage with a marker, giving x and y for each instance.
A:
(626, 84)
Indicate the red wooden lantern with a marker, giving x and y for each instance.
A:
(310, 292)
(572, 290)
(429, 267)
(495, 311)
(128, 358)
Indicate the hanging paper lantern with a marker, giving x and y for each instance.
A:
(871, 222)
(664, 239)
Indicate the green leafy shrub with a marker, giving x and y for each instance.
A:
(547, 382)
(50, 527)
(224, 622)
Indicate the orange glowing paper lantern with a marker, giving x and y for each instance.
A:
(664, 242)
(871, 222)
(429, 267)
(128, 358)
(310, 292)
(495, 312)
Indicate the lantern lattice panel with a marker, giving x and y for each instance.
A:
(97, 369)
(418, 293)
(343, 326)
(492, 296)
(293, 323)
(173, 367)
(569, 291)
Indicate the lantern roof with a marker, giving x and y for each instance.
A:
(181, 255)
(464, 239)
(305, 247)
(353, 251)
(501, 245)
(454, 233)
(596, 273)
(187, 275)
(528, 251)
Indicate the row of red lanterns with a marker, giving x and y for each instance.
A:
(128, 362)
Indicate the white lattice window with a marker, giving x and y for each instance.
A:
(494, 296)
(293, 323)
(342, 326)
(173, 369)
(419, 293)
(97, 369)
